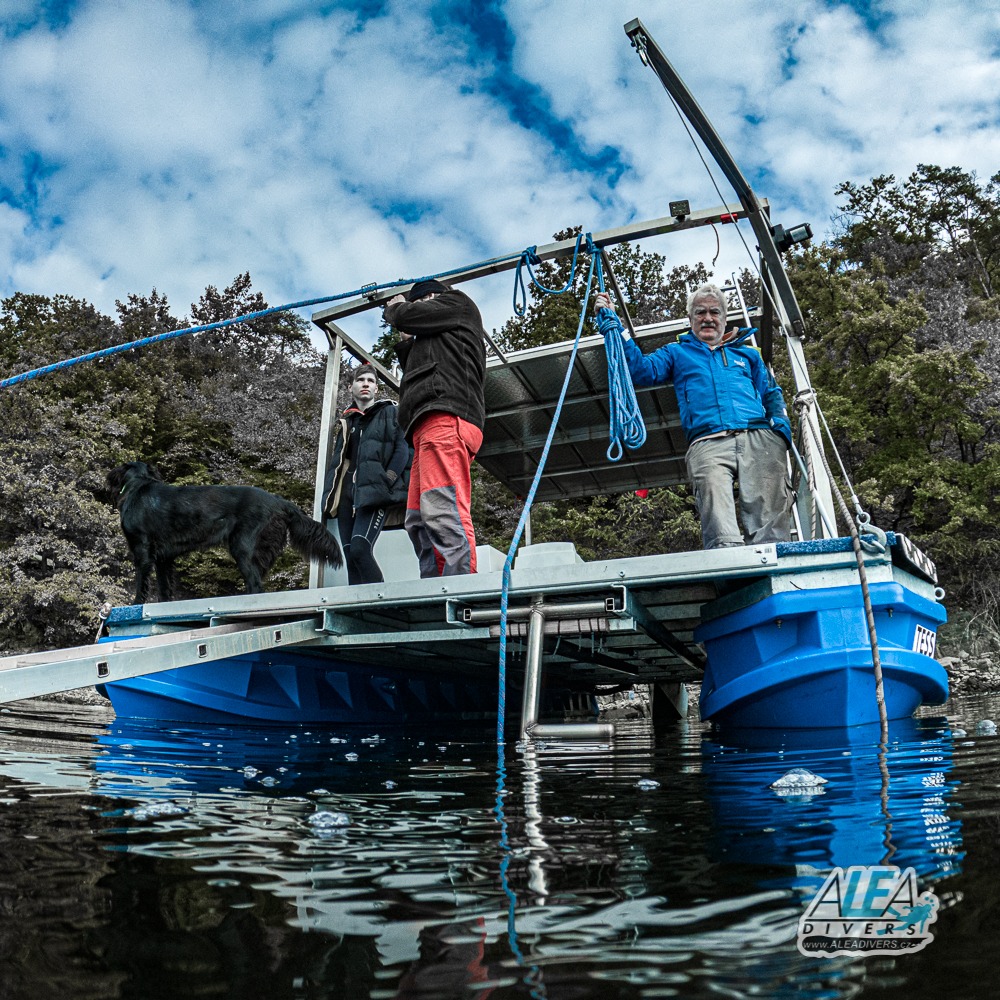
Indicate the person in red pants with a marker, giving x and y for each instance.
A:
(442, 410)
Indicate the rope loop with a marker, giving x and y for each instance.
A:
(530, 259)
(626, 427)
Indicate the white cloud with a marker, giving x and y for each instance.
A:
(164, 144)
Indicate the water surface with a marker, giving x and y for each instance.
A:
(145, 861)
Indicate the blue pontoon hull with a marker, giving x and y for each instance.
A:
(802, 659)
(296, 689)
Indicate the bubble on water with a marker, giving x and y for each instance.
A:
(250, 771)
(326, 820)
(156, 810)
(389, 784)
(647, 784)
(986, 728)
(337, 739)
(269, 781)
(959, 733)
(799, 781)
(350, 756)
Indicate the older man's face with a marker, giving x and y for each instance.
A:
(708, 319)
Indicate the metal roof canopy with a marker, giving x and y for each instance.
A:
(521, 397)
(522, 389)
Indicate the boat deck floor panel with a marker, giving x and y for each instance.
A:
(608, 621)
(660, 573)
(655, 603)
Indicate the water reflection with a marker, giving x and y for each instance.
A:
(876, 808)
(653, 866)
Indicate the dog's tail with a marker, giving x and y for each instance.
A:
(311, 539)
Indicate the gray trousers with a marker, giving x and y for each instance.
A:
(757, 460)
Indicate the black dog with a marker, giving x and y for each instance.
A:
(162, 522)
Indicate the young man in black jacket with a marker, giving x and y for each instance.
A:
(442, 411)
(367, 474)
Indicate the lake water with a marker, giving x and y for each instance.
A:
(145, 861)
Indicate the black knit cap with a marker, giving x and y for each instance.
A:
(422, 288)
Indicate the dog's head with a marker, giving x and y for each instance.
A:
(126, 476)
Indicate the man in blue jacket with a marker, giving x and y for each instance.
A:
(734, 418)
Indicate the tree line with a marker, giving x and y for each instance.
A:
(901, 314)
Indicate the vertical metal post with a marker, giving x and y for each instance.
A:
(532, 672)
(331, 407)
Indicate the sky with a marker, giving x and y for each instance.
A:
(323, 146)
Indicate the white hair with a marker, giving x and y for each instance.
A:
(705, 291)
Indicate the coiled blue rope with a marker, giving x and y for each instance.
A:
(529, 258)
(526, 510)
(626, 427)
(245, 318)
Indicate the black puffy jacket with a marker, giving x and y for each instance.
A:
(444, 364)
(381, 449)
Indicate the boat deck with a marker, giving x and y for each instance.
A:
(601, 623)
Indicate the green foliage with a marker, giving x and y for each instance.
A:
(232, 406)
(901, 318)
(627, 524)
(936, 213)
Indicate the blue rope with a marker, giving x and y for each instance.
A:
(529, 258)
(505, 589)
(626, 426)
(246, 318)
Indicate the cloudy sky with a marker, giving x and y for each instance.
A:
(325, 145)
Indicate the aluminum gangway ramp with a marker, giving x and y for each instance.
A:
(32, 675)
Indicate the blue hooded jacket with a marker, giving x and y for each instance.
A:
(727, 389)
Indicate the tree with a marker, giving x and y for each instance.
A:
(899, 373)
(935, 213)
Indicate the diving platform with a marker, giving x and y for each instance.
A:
(581, 626)
(795, 634)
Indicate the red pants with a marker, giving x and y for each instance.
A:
(438, 506)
